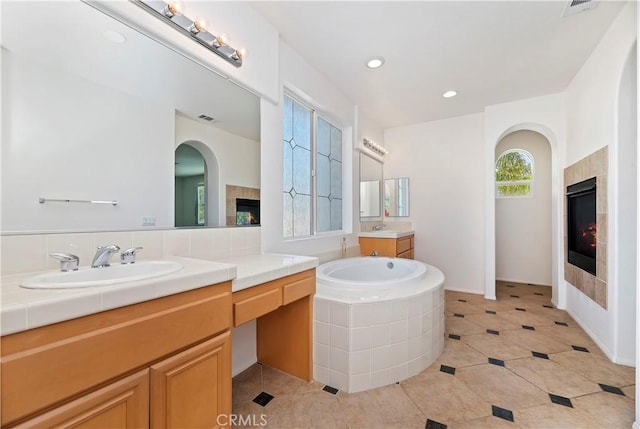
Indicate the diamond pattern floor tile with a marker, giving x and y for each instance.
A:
(524, 375)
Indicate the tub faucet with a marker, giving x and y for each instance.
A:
(103, 256)
(375, 253)
(378, 227)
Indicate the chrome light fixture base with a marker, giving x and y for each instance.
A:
(167, 13)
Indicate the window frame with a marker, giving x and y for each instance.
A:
(317, 113)
(530, 182)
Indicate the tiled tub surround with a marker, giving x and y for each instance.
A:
(363, 345)
(594, 165)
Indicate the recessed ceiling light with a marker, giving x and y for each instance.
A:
(375, 62)
(114, 36)
(450, 94)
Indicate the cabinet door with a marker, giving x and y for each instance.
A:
(191, 389)
(123, 404)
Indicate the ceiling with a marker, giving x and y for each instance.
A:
(491, 52)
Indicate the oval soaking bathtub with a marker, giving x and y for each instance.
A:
(377, 321)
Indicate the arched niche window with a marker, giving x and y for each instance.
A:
(514, 174)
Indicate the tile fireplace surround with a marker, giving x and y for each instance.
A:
(594, 165)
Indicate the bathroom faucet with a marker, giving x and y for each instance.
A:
(103, 256)
(129, 256)
(378, 227)
(68, 262)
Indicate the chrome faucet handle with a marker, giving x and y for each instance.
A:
(129, 256)
(68, 262)
(103, 256)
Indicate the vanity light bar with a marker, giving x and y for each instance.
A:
(375, 147)
(171, 14)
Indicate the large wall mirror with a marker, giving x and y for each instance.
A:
(370, 188)
(93, 110)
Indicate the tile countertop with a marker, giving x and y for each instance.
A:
(388, 233)
(256, 269)
(24, 309)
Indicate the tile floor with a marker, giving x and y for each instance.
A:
(515, 363)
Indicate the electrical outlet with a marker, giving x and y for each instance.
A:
(148, 221)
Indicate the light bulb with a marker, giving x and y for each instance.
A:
(172, 9)
(198, 25)
(222, 39)
(241, 52)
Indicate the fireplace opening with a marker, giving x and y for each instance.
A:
(247, 211)
(581, 227)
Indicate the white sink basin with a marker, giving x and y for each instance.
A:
(87, 277)
(385, 233)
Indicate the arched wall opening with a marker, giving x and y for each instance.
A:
(558, 293)
(523, 216)
(211, 180)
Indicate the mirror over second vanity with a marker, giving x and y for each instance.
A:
(370, 188)
(93, 110)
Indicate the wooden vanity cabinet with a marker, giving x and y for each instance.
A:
(160, 363)
(284, 312)
(392, 247)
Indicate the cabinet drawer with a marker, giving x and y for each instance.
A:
(403, 244)
(407, 255)
(295, 291)
(256, 306)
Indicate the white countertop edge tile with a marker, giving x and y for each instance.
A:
(29, 309)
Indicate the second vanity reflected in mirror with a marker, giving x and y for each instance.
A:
(94, 110)
(396, 197)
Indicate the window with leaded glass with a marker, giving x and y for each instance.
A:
(312, 172)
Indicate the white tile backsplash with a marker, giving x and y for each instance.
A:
(24, 253)
(27, 253)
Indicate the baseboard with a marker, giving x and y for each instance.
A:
(475, 292)
(524, 282)
(591, 335)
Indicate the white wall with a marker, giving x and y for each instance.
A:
(312, 87)
(444, 161)
(592, 100)
(523, 241)
(52, 118)
(237, 159)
